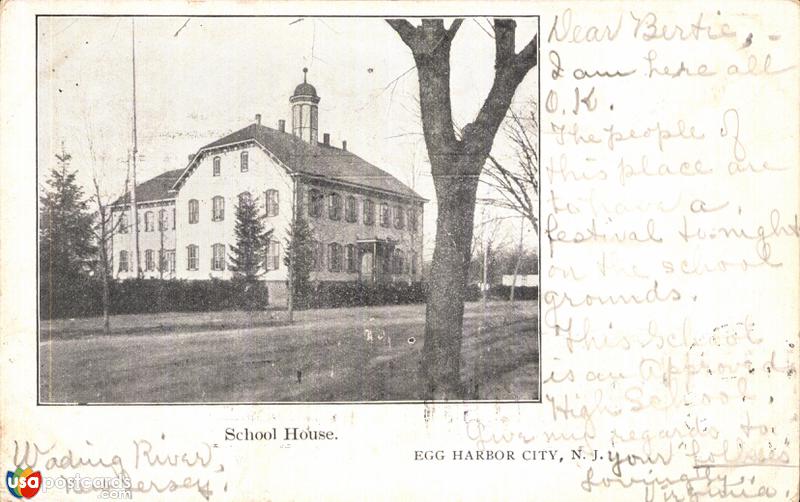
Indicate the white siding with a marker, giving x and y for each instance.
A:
(154, 240)
(263, 174)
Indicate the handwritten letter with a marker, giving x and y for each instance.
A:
(670, 250)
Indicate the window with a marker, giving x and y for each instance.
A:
(334, 206)
(412, 219)
(334, 257)
(123, 261)
(369, 212)
(149, 223)
(271, 197)
(194, 211)
(244, 197)
(350, 255)
(314, 203)
(397, 262)
(413, 263)
(162, 220)
(385, 215)
(318, 256)
(149, 261)
(192, 257)
(350, 212)
(166, 260)
(399, 217)
(173, 218)
(123, 223)
(217, 208)
(218, 257)
(244, 161)
(216, 166)
(273, 256)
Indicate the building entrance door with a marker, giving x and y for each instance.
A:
(366, 267)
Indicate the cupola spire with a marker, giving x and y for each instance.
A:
(305, 111)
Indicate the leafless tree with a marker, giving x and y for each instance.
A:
(517, 182)
(487, 240)
(456, 165)
(104, 230)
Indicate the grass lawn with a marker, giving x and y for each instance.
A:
(354, 354)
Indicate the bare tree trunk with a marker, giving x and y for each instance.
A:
(106, 300)
(104, 268)
(104, 235)
(444, 314)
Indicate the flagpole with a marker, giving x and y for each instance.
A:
(134, 207)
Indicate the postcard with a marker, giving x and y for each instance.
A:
(344, 251)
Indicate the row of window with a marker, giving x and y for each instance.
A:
(244, 164)
(345, 258)
(166, 260)
(335, 255)
(218, 206)
(395, 216)
(389, 216)
(272, 253)
(149, 221)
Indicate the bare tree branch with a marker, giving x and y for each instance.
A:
(510, 69)
(451, 32)
(430, 45)
(407, 32)
(518, 186)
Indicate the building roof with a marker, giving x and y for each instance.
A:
(157, 188)
(318, 160)
(305, 89)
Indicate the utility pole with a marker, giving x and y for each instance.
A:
(485, 243)
(519, 258)
(134, 207)
(293, 243)
(485, 287)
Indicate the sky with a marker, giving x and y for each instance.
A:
(198, 79)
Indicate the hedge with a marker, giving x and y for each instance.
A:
(500, 292)
(355, 294)
(138, 296)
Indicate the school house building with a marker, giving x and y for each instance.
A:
(367, 225)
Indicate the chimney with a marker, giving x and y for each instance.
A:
(258, 118)
(326, 139)
(191, 156)
(344, 145)
(282, 125)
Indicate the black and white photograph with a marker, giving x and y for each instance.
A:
(375, 251)
(248, 210)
